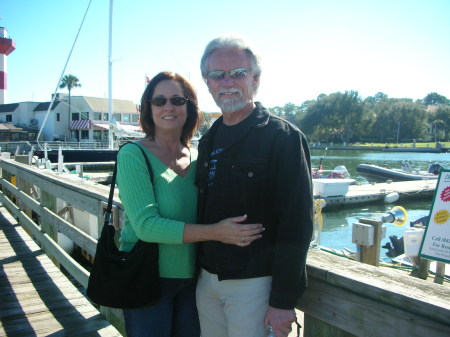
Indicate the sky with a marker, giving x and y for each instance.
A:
(308, 48)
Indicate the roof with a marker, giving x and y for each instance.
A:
(44, 106)
(8, 107)
(95, 103)
(9, 127)
(101, 104)
(214, 114)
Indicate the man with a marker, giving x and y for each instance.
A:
(254, 163)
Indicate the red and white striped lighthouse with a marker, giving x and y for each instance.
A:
(7, 46)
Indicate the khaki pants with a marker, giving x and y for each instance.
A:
(232, 308)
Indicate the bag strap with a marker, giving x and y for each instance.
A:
(107, 215)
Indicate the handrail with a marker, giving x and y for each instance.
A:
(45, 188)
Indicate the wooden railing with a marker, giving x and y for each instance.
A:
(347, 298)
(344, 298)
(46, 204)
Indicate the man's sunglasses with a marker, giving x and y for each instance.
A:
(233, 73)
(175, 100)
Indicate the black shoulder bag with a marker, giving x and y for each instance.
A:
(123, 280)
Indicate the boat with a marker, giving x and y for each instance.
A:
(339, 172)
(79, 155)
(374, 173)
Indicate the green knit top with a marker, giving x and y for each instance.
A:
(158, 212)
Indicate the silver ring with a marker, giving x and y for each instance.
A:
(243, 239)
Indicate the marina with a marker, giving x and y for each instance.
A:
(338, 286)
(374, 112)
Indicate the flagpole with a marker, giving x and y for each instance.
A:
(110, 101)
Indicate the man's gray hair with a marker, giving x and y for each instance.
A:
(231, 41)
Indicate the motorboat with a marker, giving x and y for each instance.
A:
(374, 173)
(339, 172)
(332, 182)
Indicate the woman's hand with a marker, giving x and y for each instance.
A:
(228, 231)
(232, 232)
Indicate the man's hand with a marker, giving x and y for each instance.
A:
(281, 321)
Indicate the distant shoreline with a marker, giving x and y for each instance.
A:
(315, 146)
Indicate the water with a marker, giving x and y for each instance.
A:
(351, 158)
(337, 229)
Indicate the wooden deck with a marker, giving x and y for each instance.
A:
(37, 299)
(373, 193)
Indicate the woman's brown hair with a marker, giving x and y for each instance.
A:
(193, 116)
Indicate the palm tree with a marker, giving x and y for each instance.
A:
(69, 82)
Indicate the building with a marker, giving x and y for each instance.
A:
(10, 133)
(85, 120)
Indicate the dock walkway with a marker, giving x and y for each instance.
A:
(37, 299)
(372, 193)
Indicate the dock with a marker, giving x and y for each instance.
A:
(37, 298)
(376, 193)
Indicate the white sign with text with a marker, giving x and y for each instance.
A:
(436, 241)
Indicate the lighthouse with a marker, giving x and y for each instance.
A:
(7, 46)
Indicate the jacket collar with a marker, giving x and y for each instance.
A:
(258, 118)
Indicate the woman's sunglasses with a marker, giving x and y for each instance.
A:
(233, 73)
(175, 100)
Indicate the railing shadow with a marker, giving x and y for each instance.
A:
(18, 312)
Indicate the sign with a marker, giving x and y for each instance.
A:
(436, 241)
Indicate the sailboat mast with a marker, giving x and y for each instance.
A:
(110, 101)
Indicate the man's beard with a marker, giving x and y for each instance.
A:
(230, 104)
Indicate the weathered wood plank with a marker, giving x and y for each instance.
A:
(363, 316)
(65, 323)
(78, 272)
(366, 300)
(36, 298)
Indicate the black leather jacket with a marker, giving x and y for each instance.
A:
(266, 174)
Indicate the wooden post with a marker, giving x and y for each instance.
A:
(421, 267)
(440, 272)
(25, 187)
(49, 201)
(371, 254)
(424, 266)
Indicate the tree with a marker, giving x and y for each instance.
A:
(69, 82)
(441, 117)
(372, 100)
(393, 115)
(292, 113)
(206, 123)
(435, 99)
(336, 117)
(277, 111)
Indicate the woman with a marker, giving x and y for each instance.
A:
(164, 212)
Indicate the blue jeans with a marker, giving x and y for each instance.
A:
(175, 314)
